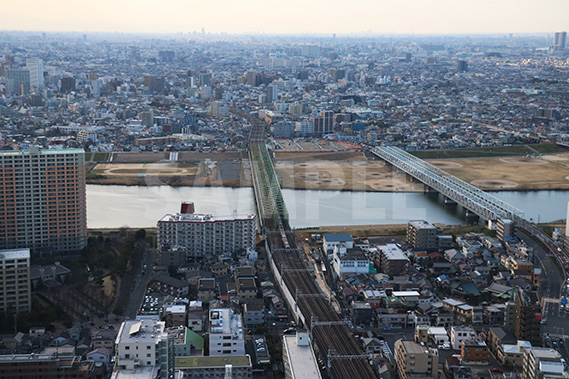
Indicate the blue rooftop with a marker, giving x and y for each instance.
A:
(340, 237)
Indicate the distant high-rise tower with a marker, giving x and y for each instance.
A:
(462, 66)
(43, 200)
(272, 93)
(35, 65)
(18, 80)
(559, 41)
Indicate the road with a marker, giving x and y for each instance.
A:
(552, 279)
(142, 280)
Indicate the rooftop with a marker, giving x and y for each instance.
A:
(225, 321)
(212, 361)
(15, 254)
(392, 252)
(200, 218)
(339, 237)
(301, 359)
(421, 224)
(145, 330)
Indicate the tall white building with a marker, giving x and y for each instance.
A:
(35, 66)
(144, 349)
(202, 234)
(226, 332)
(15, 289)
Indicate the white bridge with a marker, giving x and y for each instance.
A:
(475, 200)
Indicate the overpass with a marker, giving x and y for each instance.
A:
(475, 200)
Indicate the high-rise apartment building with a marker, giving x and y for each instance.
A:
(202, 234)
(15, 286)
(42, 200)
(35, 66)
(324, 123)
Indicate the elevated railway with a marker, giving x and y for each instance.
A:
(331, 338)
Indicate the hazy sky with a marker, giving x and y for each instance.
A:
(288, 16)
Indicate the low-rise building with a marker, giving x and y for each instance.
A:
(235, 366)
(347, 261)
(144, 346)
(459, 334)
(415, 360)
(330, 241)
(225, 332)
(246, 288)
(474, 352)
(206, 290)
(391, 259)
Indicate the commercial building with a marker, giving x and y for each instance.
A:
(422, 235)
(42, 193)
(415, 360)
(15, 287)
(202, 234)
(298, 357)
(226, 332)
(144, 347)
(391, 259)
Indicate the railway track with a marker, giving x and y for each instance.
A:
(332, 339)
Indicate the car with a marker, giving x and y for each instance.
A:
(561, 342)
(497, 370)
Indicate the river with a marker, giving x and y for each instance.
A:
(118, 206)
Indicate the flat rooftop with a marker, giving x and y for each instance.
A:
(421, 224)
(393, 253)
(145, 330)
(301, 359)
(212, 361)
(203, 218)
(14, 254)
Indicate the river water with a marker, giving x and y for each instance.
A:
(118, 206)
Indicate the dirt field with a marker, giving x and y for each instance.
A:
(343, 176)
(225, 173)
(308, 156)
(511, 173)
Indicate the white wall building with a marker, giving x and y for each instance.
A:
(202, 234)
(35, 66)
(143, 347)
(347, 261)
(225, 332)
(459, 334)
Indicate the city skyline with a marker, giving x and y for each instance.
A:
(293, 17)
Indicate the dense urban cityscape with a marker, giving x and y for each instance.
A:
(281, 288)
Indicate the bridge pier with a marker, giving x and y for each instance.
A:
(449, 201)
(427, 189)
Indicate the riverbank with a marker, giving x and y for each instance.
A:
(354, 172)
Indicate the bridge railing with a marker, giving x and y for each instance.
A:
(470, 197)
